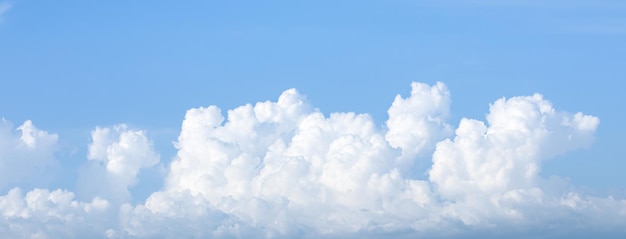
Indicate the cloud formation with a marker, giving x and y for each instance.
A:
(41, 213)
(283, 169)
(26, 151)
(119, 154)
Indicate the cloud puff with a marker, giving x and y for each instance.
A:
(25, 152)
(283, 169)
(120, 153)
(123, 151)
(506, 154)
(416, 123)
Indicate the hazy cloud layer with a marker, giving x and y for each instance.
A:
(283, 169)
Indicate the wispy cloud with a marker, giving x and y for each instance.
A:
(4, 7)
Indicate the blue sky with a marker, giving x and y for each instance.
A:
(72, 66)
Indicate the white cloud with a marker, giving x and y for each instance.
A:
(416, 123)
(490, 172)
(307, 174)
(25, 152)
(506, 154)
(121, 153)
(51, 214)
(124, 151)
(283, 170)
(117, 154)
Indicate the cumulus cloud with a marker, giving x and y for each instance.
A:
(119, 154)
(416, 123)
(283, 169)
(116, 155)
(25, 152)
(41, 213)
(506, 153)
(123, 151)
(301, 173)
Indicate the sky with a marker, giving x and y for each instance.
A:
(312, 119)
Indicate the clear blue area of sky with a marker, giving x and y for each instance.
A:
(72, 65)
